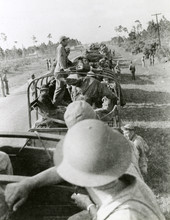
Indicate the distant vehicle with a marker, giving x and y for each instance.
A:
(60, 127)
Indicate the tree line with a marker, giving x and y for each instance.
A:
(138, 39)
(37, 48)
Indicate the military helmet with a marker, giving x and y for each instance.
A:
(94, 154)
(78, 111)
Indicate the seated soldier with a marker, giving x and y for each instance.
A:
(104, 63)
(86, 65)
(107, 106)
(92, 90)
(47, 108)
(44, 101)
(116, 89)
(82, 65)
(51, 85)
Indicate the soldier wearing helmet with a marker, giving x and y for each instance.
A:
(140, 146)
(100, 165)
(92, 90)
(61, 66)
(17, 193)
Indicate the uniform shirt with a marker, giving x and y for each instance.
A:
(45, 104)
(61, 58)
(132, 68)
(142, 149)
(140, 143)
(134, 166)
(136, 201)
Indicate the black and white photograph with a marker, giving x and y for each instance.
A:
(84, 110)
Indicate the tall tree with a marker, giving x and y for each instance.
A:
(49, 36)
(138, 26)
(34, 40)
(3, 37)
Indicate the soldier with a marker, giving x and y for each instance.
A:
(143, 61)
(132, 70)
(140, 146)
(92, 90)
(61, 65)
(118, 70)
(4, 83)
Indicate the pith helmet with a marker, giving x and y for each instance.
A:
(94, 154)
(78, 111)
(63, 38)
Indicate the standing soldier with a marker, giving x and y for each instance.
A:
(47, 62)
(150, 59)
(4, 83)
(61, 59)
(143, 61)
(153, 59)
(132, 70)
(118, 70)
(141, 147)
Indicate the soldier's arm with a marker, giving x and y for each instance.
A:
(17, 193)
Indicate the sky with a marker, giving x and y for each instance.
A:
(78, 19)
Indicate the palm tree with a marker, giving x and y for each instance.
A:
(138, 26)
(34, 40)
(49, 36)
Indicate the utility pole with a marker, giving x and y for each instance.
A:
(159, 37)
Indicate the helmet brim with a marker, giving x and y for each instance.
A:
(78, 177)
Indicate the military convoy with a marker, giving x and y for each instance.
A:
(36, 154)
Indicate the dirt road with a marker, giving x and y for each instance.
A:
(13, 108)
(13, 112)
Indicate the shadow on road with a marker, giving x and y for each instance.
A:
(143, 96)
(140, 79)
(147, 114)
